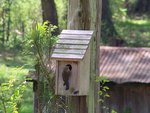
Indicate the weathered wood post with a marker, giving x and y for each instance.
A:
(33, 77)
(86, 15)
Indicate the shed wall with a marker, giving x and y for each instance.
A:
(128, 98)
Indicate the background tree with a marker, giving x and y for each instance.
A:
(49, 13)
(16, 17)
(139, 7)
(6, 20)
(109, 34)
(44, 93)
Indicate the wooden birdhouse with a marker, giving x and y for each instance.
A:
(72, 55)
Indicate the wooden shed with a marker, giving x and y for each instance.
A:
(73, 50)
(128, 70)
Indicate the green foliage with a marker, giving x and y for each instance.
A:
(10, 72)
(103, 88)
(39, 43)
(62, 13)
(22, 13)
(113, 111)
(135, 32)
(118, 10)
(16, 76)
(103, 93)
(40, 40)
(11, 95)
(127, 110)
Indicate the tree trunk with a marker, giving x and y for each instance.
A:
(23, 29)
(78, 15)
(41, 99)
(78, 19)
(8, 27)
(109, 33)
(3, 26)
(107, 18)
(8, 20)
(86, 15)
(49, 13)
(140, 7)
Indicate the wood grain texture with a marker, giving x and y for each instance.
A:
(73, 42)
(84, 72)
(67, 56)
(131, 97)
(56, 78)
(75, 37)
(72, 46)
(67, 46)
(70, 51)
(82, 15)
(78, 32)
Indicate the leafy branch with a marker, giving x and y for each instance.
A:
(103, 92)
(40, 43)
(11, 95)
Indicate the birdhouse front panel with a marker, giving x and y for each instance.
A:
(68, 78)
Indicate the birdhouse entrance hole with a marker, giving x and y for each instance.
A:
(68, 80)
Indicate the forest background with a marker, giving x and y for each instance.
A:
(124, 23)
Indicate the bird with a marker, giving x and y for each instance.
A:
(66, 75)
(76, 92)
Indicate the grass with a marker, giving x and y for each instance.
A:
(27, 104)
(135, 32)
(17, 66)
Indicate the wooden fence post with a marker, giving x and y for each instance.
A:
(86, 15)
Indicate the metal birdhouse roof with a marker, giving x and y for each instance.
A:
(72, 44)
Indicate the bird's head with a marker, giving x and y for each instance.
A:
(70, 67)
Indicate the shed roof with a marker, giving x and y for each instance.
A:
(123, 64)
(72, 44)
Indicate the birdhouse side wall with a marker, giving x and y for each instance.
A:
(84, 72)
(56, 78)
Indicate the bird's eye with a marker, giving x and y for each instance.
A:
(70, 67)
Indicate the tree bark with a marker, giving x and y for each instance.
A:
(3, 26)
(78, 19)
(49, 13)
(109, 33)
(107, 18)
(139, 7)
(142, 6)
(8, 20)
(79, 15)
